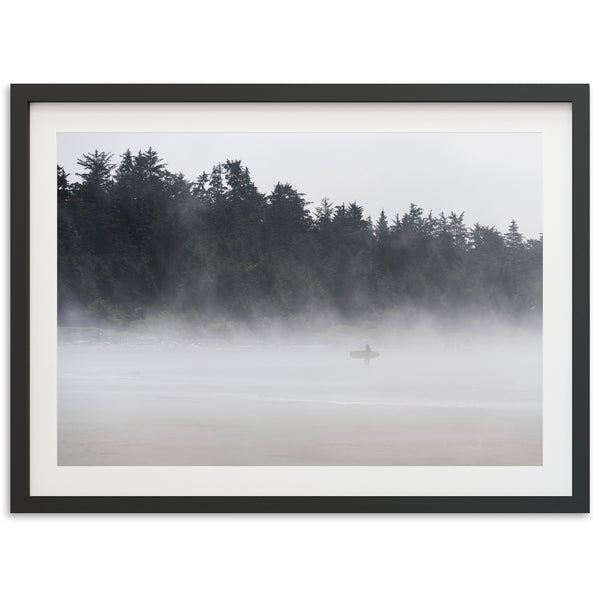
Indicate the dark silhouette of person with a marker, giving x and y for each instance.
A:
(367, 355)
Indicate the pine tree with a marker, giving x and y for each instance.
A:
(324, 213)
(63, 185)
(514, 239)
(139, 239)
(382, 230)
(97, 171)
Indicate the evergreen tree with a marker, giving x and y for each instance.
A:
(381, 228)
(135, 239)
(514, 239)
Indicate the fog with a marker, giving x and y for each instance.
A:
(209, 321)
(434, 396)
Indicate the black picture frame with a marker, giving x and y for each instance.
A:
(22, 95)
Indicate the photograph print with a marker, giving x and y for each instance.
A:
(299, 299)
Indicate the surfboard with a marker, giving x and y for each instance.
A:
(363, 354)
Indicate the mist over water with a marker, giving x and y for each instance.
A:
(468, 396)
(206, 321)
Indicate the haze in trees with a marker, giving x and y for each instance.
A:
(225, 315)
(135, 240)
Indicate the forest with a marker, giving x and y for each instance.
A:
(135, 240)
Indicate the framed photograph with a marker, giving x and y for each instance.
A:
(300, 298)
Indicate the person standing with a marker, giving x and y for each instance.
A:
(367, 355)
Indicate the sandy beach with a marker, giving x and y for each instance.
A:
(185, 404)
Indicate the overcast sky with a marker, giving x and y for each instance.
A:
(492, 177)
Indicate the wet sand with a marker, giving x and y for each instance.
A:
(171, 404)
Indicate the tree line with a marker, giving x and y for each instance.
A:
(135, 239)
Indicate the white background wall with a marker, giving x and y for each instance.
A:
(129, 556)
